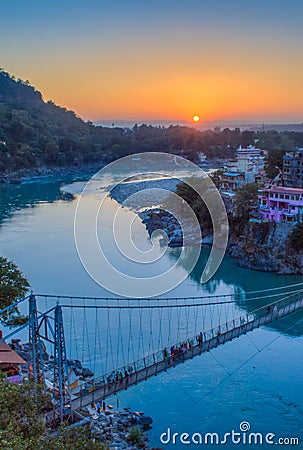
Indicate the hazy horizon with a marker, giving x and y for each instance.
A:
(243, 124)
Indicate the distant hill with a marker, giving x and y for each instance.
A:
(35, 134)
(281, 127)
(131, 123)
(206, 125)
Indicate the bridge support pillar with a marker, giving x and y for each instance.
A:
(60, 359)
(33, 338)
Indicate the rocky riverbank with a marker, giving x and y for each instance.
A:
(120, 430)
(45, 172)
(265, 247)
(162, 220)
(258, 246)
(151, 192)
(117, 429)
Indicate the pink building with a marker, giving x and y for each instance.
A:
(281, 204)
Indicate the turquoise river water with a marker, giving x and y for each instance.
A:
(257, 378)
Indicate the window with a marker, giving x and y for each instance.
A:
(292, 197)
(282, 196)
(297, 197)
(287, 197)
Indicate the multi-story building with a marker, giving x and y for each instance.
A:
(248, 168)
(251, 152)
(293, 169)
(231, 181)
(250, 162)
(281, 204)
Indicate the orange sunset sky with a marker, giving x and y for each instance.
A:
(161, 59)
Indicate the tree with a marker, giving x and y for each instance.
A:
(274, 163)
(20, 409)
(216, 177)
(13, 285)
(22, 427)
(246, 200)
(28, 123)
(187, 193)
(135, 436)
(247, 138)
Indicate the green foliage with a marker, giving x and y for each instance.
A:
(42, 134)
(20, 406)
(216, 177)
(79, 438)
(135, 436)
(195, 201)
(13, 285)
(246, 200)
(296, 237)
(274, 163)
(22, 427)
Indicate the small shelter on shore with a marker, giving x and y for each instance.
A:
(10, 363)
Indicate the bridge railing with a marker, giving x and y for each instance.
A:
(218, 333)
(271, 311)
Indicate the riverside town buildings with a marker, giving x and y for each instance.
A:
(231, 181)
(281, 204)
(249, 169)
(293, 169)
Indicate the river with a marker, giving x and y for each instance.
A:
(256, 378)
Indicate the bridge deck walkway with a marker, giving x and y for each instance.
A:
(101, 390)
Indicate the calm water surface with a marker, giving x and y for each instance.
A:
(257, 378)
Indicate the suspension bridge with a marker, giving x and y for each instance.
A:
(126, 341)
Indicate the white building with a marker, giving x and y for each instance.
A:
(250, 162)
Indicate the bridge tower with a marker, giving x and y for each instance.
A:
(60, 360)
(34, 338)
(40, 328)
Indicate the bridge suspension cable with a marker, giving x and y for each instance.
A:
(127, 340)
(176, 305)
(55, 296)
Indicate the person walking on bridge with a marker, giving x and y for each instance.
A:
(165, 354)
(200, 338)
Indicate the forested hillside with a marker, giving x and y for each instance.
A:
(37, 134)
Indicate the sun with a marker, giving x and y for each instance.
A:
(196, 118)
